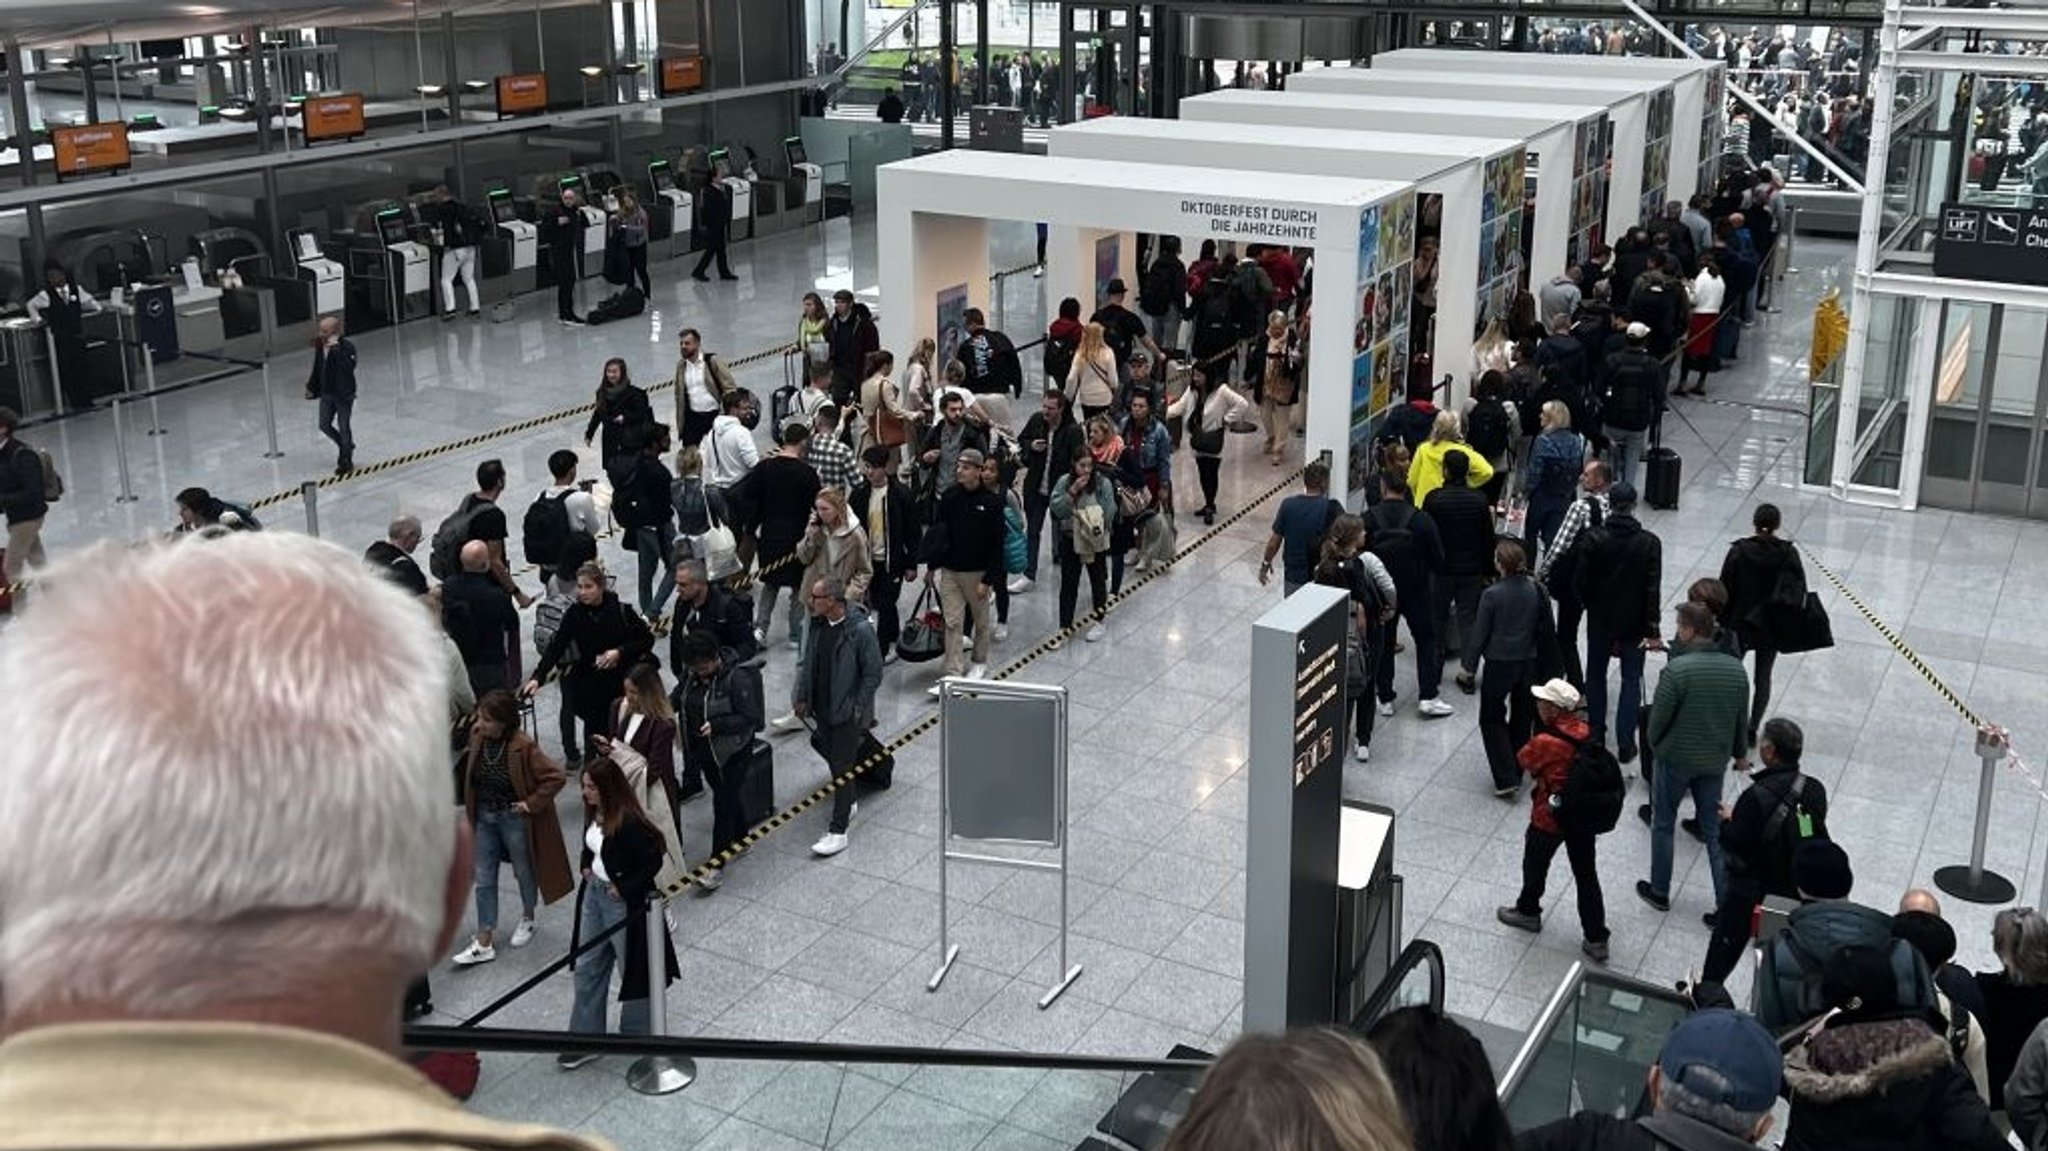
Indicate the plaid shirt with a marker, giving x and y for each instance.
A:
(833, 461)
(1576, 519)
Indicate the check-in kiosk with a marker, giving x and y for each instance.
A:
(671, 212)
(811, 178)
(593, 222)
(326, 277)
(233, 259)
(395, 270)
(605, 183)
(512, 257)
(742, 191)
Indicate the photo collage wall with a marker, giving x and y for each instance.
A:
(1379, 342)
(1589, 188)
(1500, 237)
(1657, 155)
(1713, 128)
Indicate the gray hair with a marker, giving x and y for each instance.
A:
(691, 564)
(833, 587)
(1678, 1098)
(1785, 738)
(402, 527)
(2019, 936)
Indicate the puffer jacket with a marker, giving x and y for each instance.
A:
(1883, 1085)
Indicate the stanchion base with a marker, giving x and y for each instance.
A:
(273, 455)
(945, 965)
(126, 499)
(157, 432)
(1073, 973)
(1981, 887)
(660, 1075)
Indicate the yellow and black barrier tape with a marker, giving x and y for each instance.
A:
(1899, 645)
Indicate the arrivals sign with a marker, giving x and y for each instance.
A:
(86, 148)
(332, 117)
(521, 93)
(1988, 242)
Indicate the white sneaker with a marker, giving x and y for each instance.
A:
(1094, 633)
(474, 954)
(977, 671)
(1362, 753)
(935, 690)
(786, 722)
(1434, 709)
(760, 638)
(1020, 584)
(1038, 272)
(1000, 632)
(794, 643)
(523, 934)
(829, 844)
(1140, 564)
(1387, 708)
(712, 880)
(889, 657)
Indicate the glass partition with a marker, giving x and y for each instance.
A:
(1590, 1049)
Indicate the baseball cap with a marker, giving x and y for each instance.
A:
(1558, 692)
(1724, 1057)
(971, 456)
(1117, 287)
(1637, 331)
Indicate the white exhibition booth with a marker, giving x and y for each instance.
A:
(932, 236)
(1636, 149)
(1552, 133)
(1699, 89)
(1479, 182)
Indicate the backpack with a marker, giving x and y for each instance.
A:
(1090, 534)
(53, 483)
(1488, 430)
(693, 507)
(1059, 359)
(1160, 287)
(629, 502)
(1248, 301)
(546, 529)
(547, 619)
(1214, 325)
(1789, 827)
(444, 554)
(1594, 790)
(1391, 537)
(1789, 980)
(1005, 367)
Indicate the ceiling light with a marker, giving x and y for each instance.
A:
(475, 85)
(632, 69)
(591, 71)
(432, 89)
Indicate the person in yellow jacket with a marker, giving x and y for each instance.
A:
(1426, 470)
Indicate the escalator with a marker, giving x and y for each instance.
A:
(1590, 1048)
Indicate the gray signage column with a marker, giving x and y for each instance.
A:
(1297, 791)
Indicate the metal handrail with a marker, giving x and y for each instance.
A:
(1561, 999)
(1419, 952)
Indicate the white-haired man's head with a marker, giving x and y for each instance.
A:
(226, 790)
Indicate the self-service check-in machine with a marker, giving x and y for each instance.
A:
(522, 236)
(328, 279)
(810, 177)
(396, 269)
(741, 190)
(594, 234)
(672, 211)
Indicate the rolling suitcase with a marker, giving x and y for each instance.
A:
(1660, 478)
(756, 766)
(882, 770)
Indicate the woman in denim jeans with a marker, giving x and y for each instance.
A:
(508, 787)
(622, 855)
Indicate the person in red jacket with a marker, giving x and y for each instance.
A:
(1547, 758)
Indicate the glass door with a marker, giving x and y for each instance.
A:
(1986, 431)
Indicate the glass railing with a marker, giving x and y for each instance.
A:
(1590, 1048)
(1415, 980)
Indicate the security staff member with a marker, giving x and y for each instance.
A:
(63, 306)
(717, 230)
(565, 226)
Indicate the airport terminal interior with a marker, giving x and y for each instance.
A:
(1891, 400)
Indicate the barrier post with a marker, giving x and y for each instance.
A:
(1972, 882)
(309, 494)
(1002, 295)
(56, 372)
(270, 415)
(156, 426)
(127, 495)
(658, 1074)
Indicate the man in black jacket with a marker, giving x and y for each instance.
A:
(22, 499)
(392, 555)
(564, 226)
(851, 337)
(1631, 400)
(701, 605)
(1049, 439)
(1619, 577)
(717, 202)
(1464, 522)
(964, 549)
(885, 511)
(332, 381)
(1712, 1089)
(480, 618)
(1406, 541)
(990, 358)
(1780, 808)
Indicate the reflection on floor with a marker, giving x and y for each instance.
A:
(839, 950)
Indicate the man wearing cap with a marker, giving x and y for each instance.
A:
(1698, 724)
(1122, 329)
(1711, 1089)
(1631, 391)
(1779, 810)
(1547, 758)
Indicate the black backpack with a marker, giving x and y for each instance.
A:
(1564, 569)
(1160, 288)
(1248, 303)
(1790, 826)
(629, 502)
(1488, 432)
(1390, 534)
(1059, 359)
(546, 529)
(444, 552)
(693, 506)
(1594, 790)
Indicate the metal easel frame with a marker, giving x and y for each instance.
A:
(953, 688)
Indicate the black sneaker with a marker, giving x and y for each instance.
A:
(1643, 813)
(1626, 754)
(1516, 918)
(1594, 949)
(1710, 919)
(1692, 828)
(689, 791)
(1649, 895)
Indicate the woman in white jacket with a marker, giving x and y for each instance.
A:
(1092, 378)
(1209, 406)
(1709, 292)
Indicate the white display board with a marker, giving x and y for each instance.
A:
(932, 215)
(1549, 133)
(1473, 187)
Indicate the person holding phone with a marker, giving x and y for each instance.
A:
(333, 383)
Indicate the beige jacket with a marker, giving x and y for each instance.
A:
(121, 1086)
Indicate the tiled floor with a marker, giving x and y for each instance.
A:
(795, 948)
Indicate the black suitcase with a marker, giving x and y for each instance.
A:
(1661, 470)
(882, 771)
(756, 769)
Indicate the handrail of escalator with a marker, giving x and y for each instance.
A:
(505, 1040)
(853, 59)
(1560, 1002)
(1418, 953)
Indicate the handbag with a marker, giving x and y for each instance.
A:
(923, 638)
(891, 430)
(1807, 630)
(1132, 500)
(720, 550)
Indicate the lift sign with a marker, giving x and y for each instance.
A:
(2004, 245)
(1257, 221)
